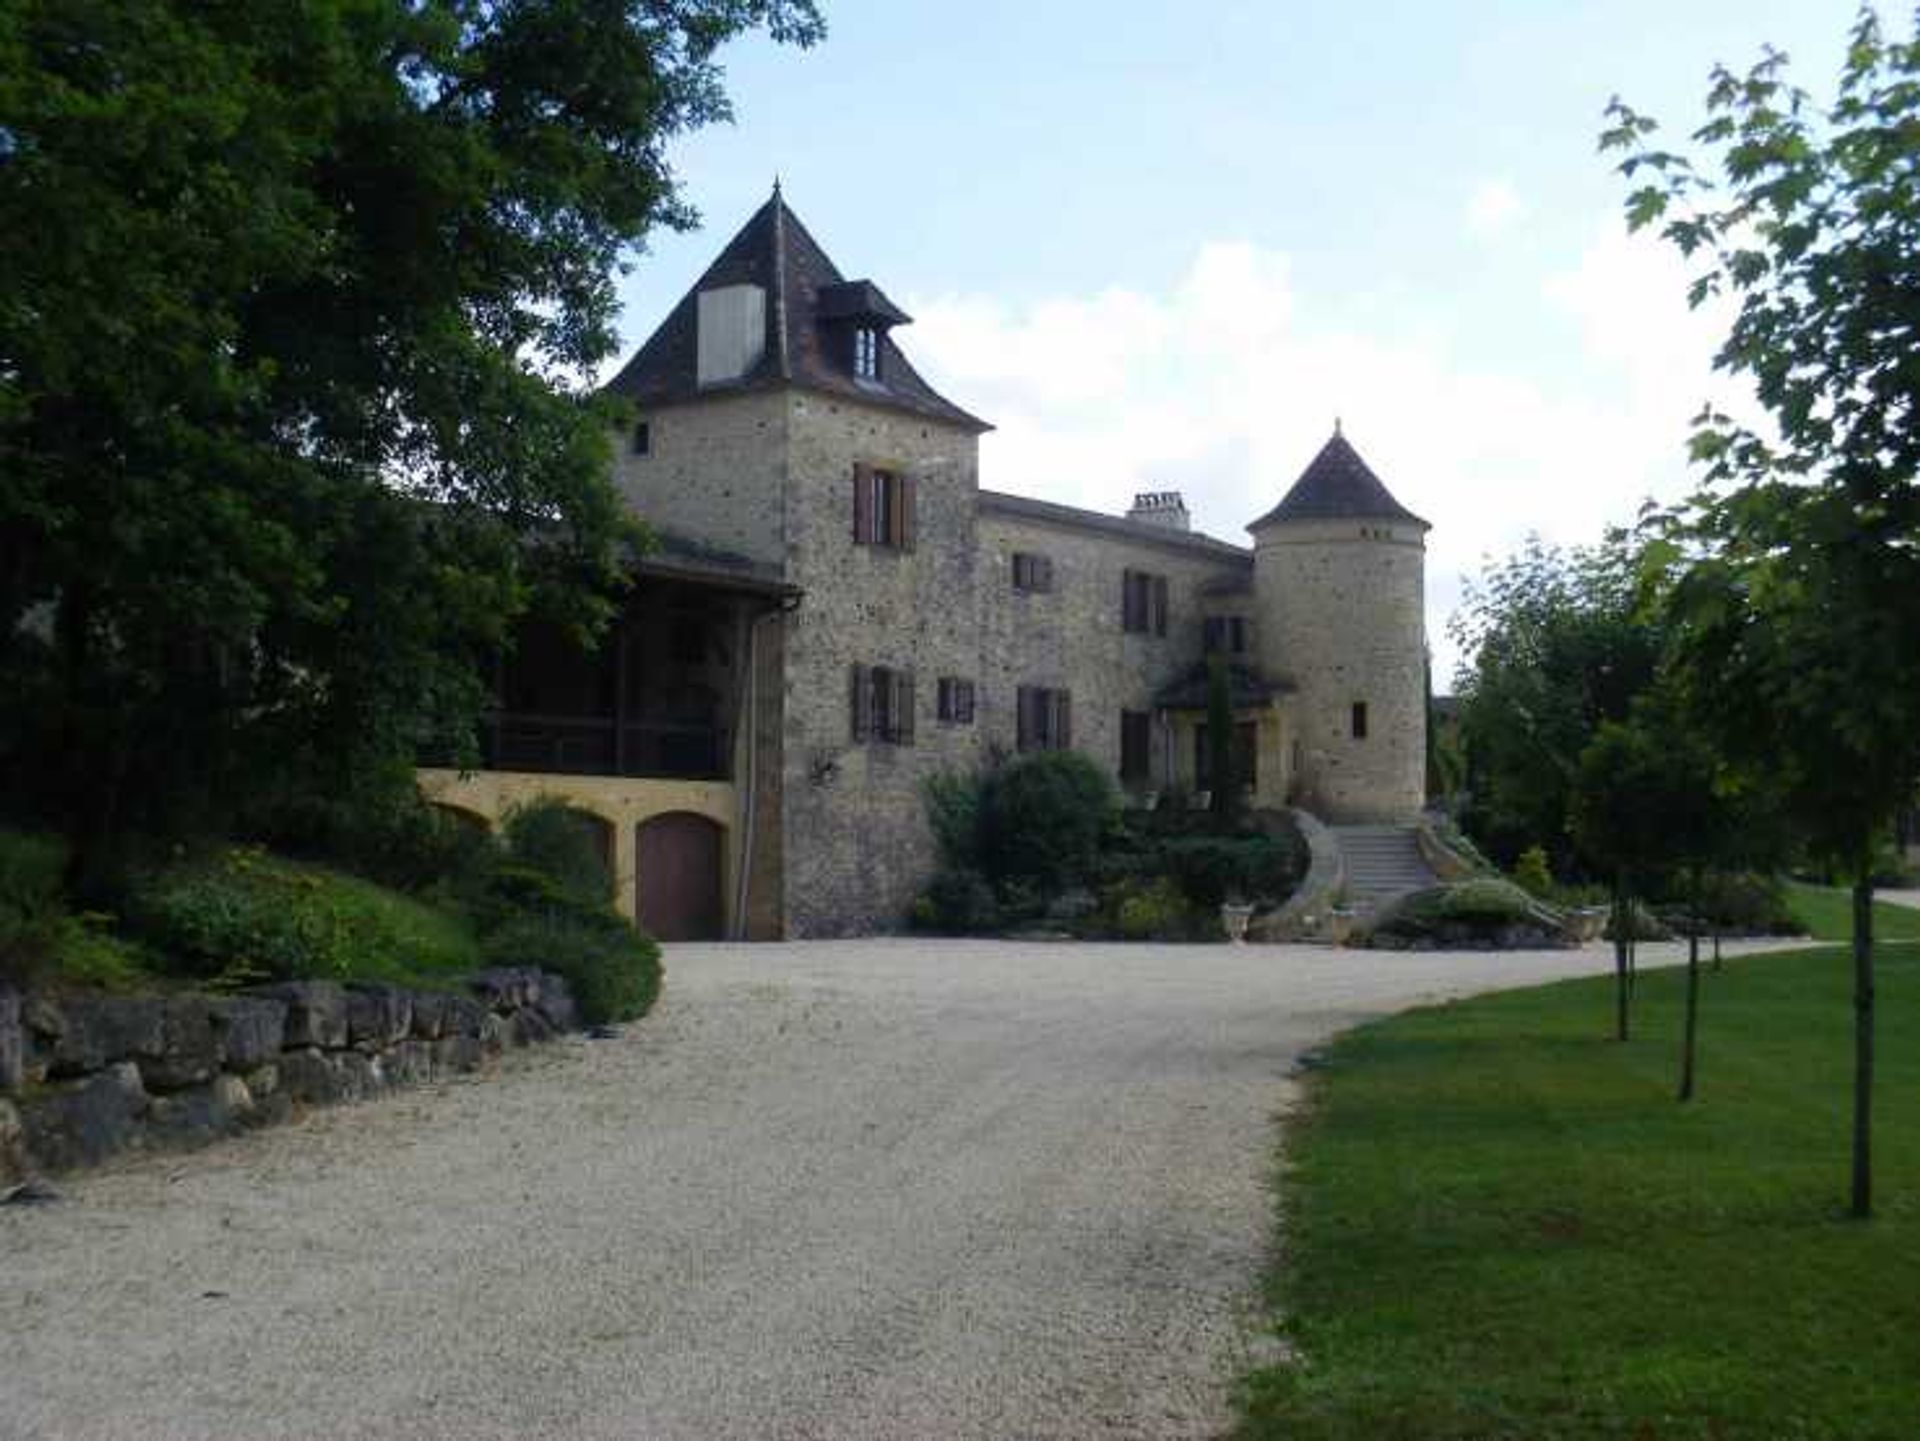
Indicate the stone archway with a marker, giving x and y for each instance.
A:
(679, 868)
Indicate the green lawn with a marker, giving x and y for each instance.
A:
(1497, 1223)
(1827, 913)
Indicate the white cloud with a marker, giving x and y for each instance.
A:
(1217, 387)
(1493, 208)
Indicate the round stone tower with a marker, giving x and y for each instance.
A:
(1339, 576)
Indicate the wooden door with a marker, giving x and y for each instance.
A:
(678, 877)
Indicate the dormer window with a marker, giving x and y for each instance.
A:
(866, 353)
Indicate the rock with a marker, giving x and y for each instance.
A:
(29, 1193)
(316, 1012)
(270, 1110)
(310, 1077)
(262, 1081)
(556, 1002)
(410, 1063)
(362, 1077)
(188, 1054)
(13, 1041)
(464, 1017)
(496, 1033)
(249, 1030)
(232, 1093)
(84, 1123)
(429, 1014)
(503, 988)
(457, 1053)
(377, 1016)
(200, 1115)
(13, 1145)
(97, 1031)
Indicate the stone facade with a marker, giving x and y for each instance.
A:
(1321, 621)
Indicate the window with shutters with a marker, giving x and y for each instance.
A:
(1136, 747)
(882, 703)
(955, 701)
(883, 507)
(1044, 719)
(1226, 635)
(1143, 603)
(1032, 573)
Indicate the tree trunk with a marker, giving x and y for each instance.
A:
(1863, 1045)
(1620, 960)
(1692, 1029)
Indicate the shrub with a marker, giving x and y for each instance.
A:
(1480, 911)
(1746, 903)
(1533, 875)
(960, 901)
(1211, 869)
(242, 912)
(550, 836)
(613, 969)
(1043, 817)
(31, 905)
(955, 802)
(1155, 911)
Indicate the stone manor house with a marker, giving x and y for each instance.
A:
(837, 610)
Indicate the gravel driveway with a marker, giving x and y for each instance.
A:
(866, 1189)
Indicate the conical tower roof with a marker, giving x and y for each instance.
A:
(806, 296)
(1338, 485)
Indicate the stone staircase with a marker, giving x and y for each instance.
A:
(1381, 862)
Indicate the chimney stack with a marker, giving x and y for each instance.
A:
(1163, 508)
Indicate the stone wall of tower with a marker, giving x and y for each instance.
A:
(714, 472)
(858, 847)
(1341, 612)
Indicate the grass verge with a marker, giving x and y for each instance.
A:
(1497, 1223)
(1827, 914)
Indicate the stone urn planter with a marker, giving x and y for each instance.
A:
(1341, 921)
(1233, 920)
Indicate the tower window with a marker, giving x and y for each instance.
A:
(866, 353)
(642, 438)
(1359, 720)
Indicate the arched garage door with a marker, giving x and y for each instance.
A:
(678, 869)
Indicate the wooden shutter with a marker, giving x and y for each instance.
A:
(904, 509)
(1159, 605)
(966, 702)
(1043, 573)
(862, 707)
(903, 707)
(862, 504)
(1129, 591)
(1062, 720)
(1023, 718)
(1213, 628)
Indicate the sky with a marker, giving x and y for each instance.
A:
(1165, 247)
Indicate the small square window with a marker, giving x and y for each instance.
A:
(642, 438)
(1032, 573)
(955, 701)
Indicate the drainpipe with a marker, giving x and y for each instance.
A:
(750, 716)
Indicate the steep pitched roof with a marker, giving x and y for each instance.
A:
(1337, 485)
(774, 251)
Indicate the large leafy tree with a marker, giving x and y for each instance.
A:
(298, 309)
(1798, 607)
(1556, 645)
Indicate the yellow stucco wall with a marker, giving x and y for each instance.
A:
(623, 802)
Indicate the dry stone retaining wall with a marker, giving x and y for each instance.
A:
(86, 1076)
